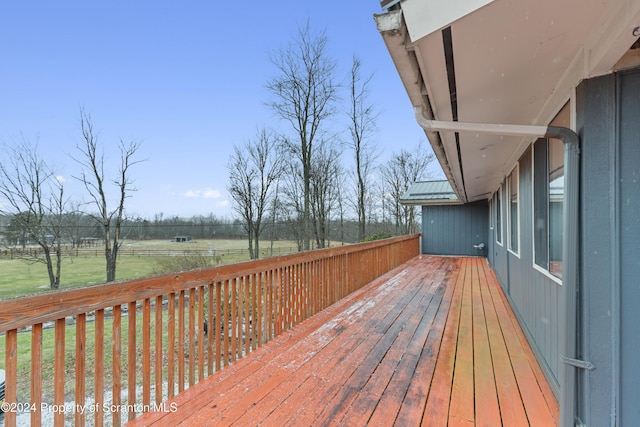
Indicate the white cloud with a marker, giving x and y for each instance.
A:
(208, 193)
(211, 194)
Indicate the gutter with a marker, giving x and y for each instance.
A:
(570, 244)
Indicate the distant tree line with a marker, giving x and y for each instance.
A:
(79, 230)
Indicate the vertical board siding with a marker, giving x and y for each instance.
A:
(455, 229)
(629, 245)
(608, 108)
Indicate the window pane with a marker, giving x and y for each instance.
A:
(499, 216)
(541, 204)
(556, 205)
(513, 210)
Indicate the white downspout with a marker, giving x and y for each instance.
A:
(570, 246)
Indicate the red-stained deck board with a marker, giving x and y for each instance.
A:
(461, 408)
(486, 396)
(373, 376)
(511, 408)
(432, 342)
(413, 405)
(324, 349)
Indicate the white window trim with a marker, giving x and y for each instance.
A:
(536, 267)
(500, 198)
(491, 208)
(556, 279)
(515, 252)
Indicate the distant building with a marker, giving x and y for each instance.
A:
(449, 227)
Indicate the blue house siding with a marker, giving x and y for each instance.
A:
(534, 296)
(608, 112)
(455, 229)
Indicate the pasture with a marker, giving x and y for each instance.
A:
(86, 266)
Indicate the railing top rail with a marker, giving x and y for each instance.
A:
(25, 311)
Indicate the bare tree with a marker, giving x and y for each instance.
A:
(34, 197)
(304, 96)
(95, 182)
(402, 170)
(291, 208)
(254, 170)
(325, 174)
(362, 124)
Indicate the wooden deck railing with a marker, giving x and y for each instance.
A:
(117, 350)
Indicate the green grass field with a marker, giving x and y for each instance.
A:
(20, 277)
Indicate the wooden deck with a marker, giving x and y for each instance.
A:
(432, 342)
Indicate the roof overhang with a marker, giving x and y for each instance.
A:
(500, 62)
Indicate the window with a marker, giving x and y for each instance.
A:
(491, 208)
(548, 204)
(513, 212)
(498, 211)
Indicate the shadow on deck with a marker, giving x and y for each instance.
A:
(432, 342)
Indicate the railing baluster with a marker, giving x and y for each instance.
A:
(59, 370)
(269, 313)
(200, 329)
(279, 301)
(225, 321)
(158, 350)
(218, 325)
(181, 341)
(210, 334)
(131, 357)
(234, 319)
(255, 318)
(116, 343)
(99, 368)
(146, 352)
(246, 326)
(36, 374)
(192, 336)
(171, 344)
(286, 280)
(80, 367)
(11, 374)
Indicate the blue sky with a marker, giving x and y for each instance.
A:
(185, 78)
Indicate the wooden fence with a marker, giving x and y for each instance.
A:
(33, 252)
(117, 350)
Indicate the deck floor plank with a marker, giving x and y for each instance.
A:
(487, 407)
(533, 388)
(439, 393)
(511, 408)
(413, 406)
(461, 408)
(335, 353)
(432, 342)
(394, 398)
(398, 359)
